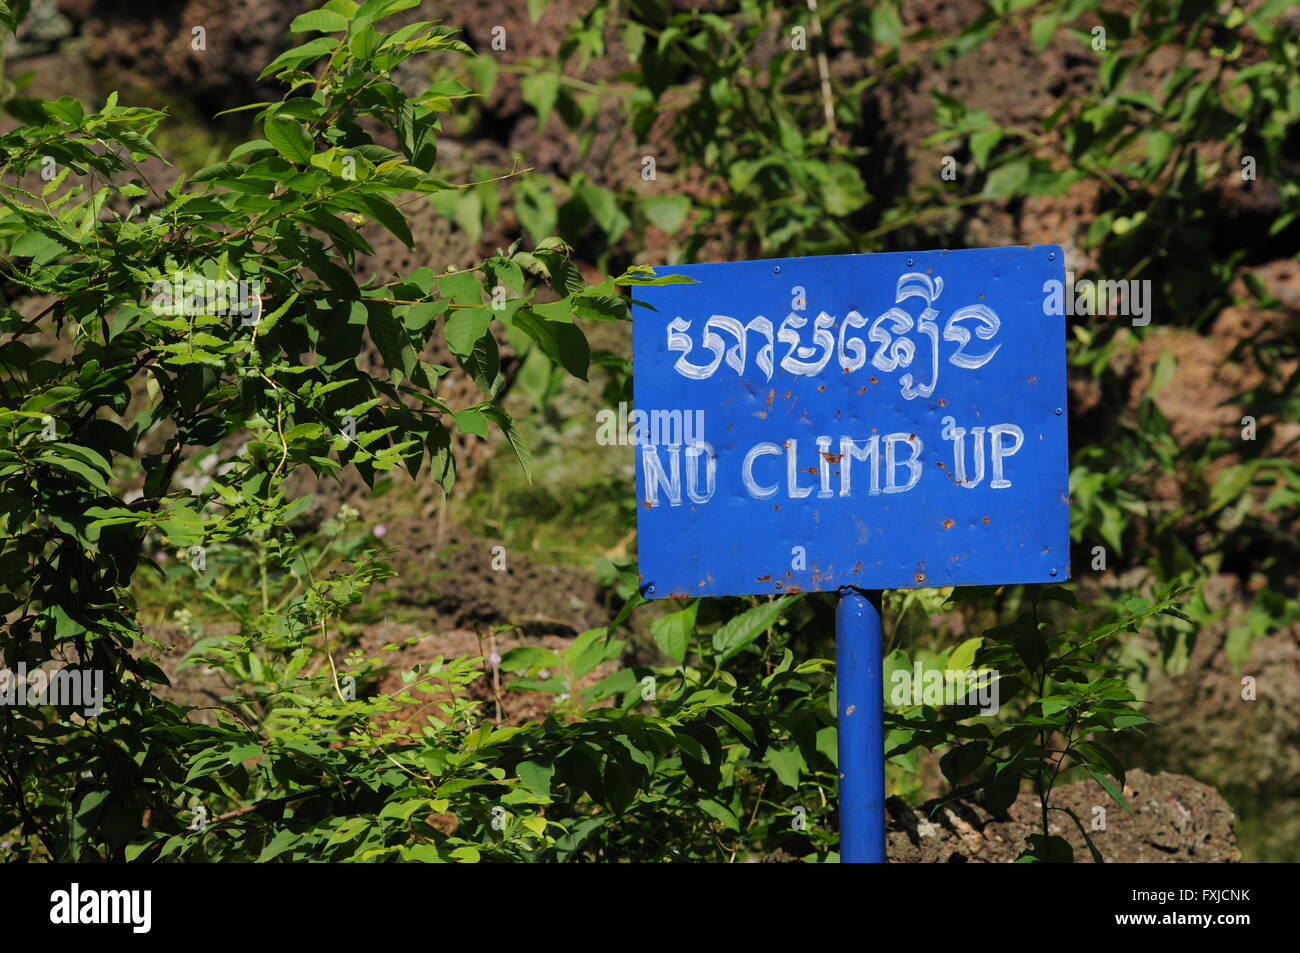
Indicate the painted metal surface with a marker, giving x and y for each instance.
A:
(880, 421)
(859, 688)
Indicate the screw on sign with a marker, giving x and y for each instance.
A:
(896, 420)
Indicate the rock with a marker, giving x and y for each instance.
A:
(1176, 819)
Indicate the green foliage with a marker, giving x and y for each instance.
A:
(712, 736)
(221, 316)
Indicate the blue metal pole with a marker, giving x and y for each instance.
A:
(861, 701)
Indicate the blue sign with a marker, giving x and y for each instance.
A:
(882, 421)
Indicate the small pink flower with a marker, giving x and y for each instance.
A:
(381, 531)
(494, 660)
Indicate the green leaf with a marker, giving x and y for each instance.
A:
(373, 11)
(886, 26)
(67, 109)
(739, 632)
(787, 762)
(461, 287)
(536, 776)
(1007, 180)
(672, 633)
(139, 145)
(590, 649)
(471, 420)
(389, 335)
(464, 327)
(1087, 838)
(1043, 28)
(1047, 849)
(1051, 704)
(222, 170)
(290, 138)
(523, 657)
(300, 56)
(963, 656)
(322, 21)
(720, 813)
(736, 722)
(386, 214)
(1110, 787)
(78, 468)
(982, 143)
(540, 90)
(517, 444)
(666, 212)
(575, 352)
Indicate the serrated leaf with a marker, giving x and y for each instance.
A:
(517, 444)
(290, 138)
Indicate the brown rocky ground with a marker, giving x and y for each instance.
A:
(1175, 820)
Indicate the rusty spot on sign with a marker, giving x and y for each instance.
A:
(646, 504)
(920, 577)
(874, 380)
(947, 524)
(766, 578)
(833, 457)
(1032, 380)
(823, 387)
(850, 710)
(942, 402)
(862, 389)
(812, 470)
(760, 413)
(986, 519)
(770, 395)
